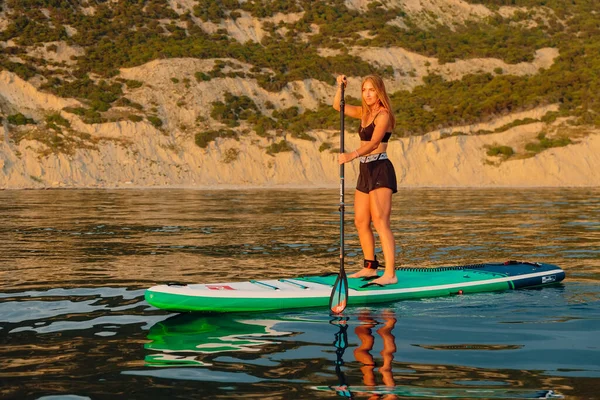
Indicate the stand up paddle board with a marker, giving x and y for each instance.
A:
(314, 291)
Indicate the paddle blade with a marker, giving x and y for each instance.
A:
(339, 294)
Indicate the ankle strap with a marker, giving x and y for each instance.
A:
(371, 264)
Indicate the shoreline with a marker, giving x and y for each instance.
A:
(296, 187)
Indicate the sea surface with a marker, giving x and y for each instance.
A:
(74, 265)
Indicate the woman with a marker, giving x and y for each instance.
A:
(377, 178)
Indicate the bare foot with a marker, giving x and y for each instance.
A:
(365, 272)
(385, 280)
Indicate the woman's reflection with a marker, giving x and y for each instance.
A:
(363, 352)
(386, 321)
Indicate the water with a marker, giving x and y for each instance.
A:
(75, 263)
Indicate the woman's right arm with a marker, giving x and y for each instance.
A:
(349, 110)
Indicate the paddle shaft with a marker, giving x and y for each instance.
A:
(339, 293)
(342, 205)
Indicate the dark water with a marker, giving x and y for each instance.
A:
(74, 265)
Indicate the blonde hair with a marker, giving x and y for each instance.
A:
(384, 99)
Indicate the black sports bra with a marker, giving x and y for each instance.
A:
(366, 133)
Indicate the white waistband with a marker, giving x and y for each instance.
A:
(373, 157)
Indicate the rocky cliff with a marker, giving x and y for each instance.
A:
(135, 152)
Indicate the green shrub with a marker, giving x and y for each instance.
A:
(213, 10)
(135, 118)
(202, 139)
(133, 84)
(125, 102)
(503, 151)
(324, 146)
(516, 122)
(19, 119)
(55, 121)
(303, 135)
(201, 77)
(287, 113)
(93, 117)
(547, 143)
(137, 106)
(99, 95)
(99, 105)
(234, 109)
(550, 117)
(262, 124)
(279, 147)
(75, 110)
(154, 120)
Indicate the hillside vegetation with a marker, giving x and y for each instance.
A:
(112, 35)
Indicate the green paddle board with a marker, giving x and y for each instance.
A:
(314, 291)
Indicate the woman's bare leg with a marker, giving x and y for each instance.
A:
(381, 210)
(362, 221)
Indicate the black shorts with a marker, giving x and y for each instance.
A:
(376, 174)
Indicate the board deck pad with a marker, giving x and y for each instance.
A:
(408, 278)
(314, 290)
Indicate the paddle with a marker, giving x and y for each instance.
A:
(341, 344)
(339, 293)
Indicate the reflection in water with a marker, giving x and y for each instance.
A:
(190, 334)
(367, 321)
(198, 343)
(363, 351)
